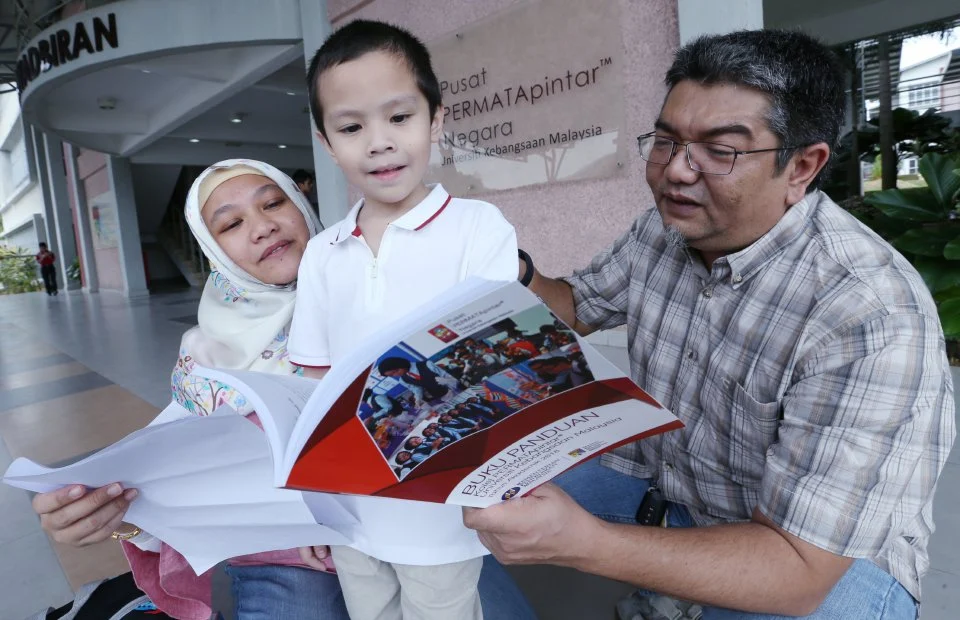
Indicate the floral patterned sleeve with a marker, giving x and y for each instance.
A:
(203, 396)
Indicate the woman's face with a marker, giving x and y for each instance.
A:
(258, 227)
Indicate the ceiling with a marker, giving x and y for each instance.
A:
(273, 110)
(173, 103)
(781, 13)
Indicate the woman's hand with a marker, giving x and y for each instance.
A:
(314, 556)
(78, 516)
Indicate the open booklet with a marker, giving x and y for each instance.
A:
(486, 395)
(478, 397)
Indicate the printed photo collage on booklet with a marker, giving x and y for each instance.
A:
(415, 405)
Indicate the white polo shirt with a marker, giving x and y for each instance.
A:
(345, 293)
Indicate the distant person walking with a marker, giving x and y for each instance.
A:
(308, 185)
(46, 259)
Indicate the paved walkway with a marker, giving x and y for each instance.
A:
(78, 372)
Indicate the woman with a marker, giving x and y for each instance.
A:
(253, 225)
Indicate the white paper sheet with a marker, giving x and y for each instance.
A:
(205, 489)
(286, 394)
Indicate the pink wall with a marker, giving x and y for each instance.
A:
(92, 170)
(565, 224)
(68, 170)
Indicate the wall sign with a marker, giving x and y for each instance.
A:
(64, 45)
(531, 95)
(103, 216)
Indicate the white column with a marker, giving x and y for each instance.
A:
(128, 228)
(62, 214)
(91, 281)
(331, 185)
(699, 17)
(49, 232)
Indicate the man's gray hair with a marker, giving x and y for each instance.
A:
(800, 75)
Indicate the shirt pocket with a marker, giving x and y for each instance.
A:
(753, 429)
(746, 426)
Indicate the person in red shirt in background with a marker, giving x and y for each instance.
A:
(46, 258)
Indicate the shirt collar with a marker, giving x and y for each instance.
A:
(416, 218)
(748, 261)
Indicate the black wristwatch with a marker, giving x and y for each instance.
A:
(528, 267)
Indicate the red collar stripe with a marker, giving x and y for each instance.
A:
(434, 216)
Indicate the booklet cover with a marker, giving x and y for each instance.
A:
(472, 407)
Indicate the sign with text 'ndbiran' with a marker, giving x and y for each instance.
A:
(532, 95)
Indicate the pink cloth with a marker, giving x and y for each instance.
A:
(177, 591)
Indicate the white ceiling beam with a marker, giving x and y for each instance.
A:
(101, 121)
(227, 132)
(169, 151)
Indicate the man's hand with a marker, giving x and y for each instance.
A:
(314, 556)
(545, 527)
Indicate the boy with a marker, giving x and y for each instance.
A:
(376, 104)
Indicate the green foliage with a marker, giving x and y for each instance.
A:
(924, 224)
(18, 271)
(876, 171)
(73, 271)
(913, 134)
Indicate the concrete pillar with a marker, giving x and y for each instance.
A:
(49, 232)
(63, 216)
(128, 228)
(39, 228)
(331, 185)
(699, 17)
(91, 281)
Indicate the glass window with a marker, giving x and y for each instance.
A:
(923, 97)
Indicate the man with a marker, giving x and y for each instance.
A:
(306, 182)
(803, 354)
(48, 271)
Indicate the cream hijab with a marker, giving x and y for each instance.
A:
(243, 322)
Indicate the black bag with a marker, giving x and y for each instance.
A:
(117, 598)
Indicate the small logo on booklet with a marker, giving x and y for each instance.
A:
(511, 493)
(577, 453)
(443, 333)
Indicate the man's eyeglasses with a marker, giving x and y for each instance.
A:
(705, 157)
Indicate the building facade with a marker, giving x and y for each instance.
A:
(123, 103)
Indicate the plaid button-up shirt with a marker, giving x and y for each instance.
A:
(809, 369)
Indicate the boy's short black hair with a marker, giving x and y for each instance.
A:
(393, 363)
(362, 37)
(42, 244)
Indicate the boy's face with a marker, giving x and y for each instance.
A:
(379, 129)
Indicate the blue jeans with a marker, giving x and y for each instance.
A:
(270, 592)
(865, 591)
(291, 593)
(500, 597)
